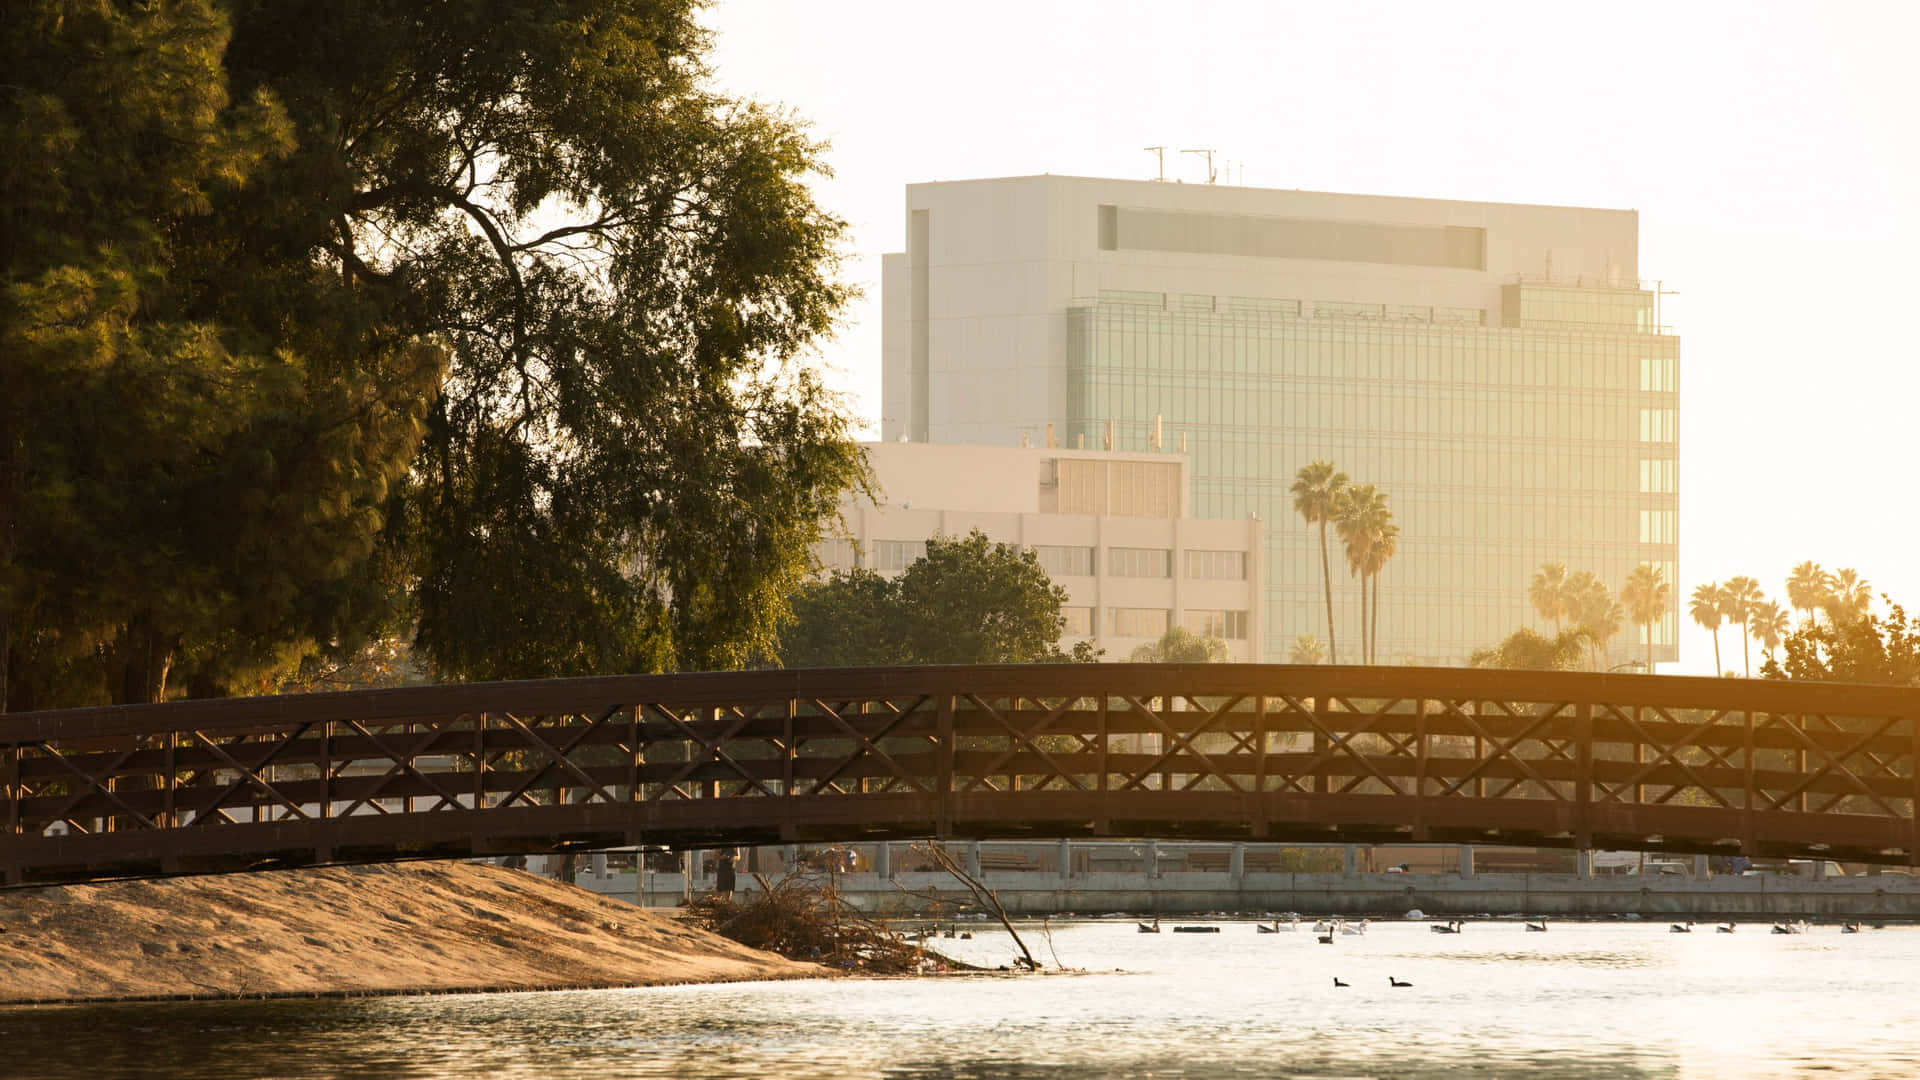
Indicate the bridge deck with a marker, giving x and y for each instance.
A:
(1241, 752)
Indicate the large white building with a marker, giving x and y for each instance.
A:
(1110, 528)
(1499, 370)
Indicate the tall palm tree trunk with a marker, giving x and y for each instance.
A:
(1716, 652)
(1746, 662)
(1375, 654)
(1366, 657)
(1326, 581)
(1650, 646)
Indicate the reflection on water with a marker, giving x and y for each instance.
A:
(1594, 1000)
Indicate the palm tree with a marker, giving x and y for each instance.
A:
(1593, 611)
(1645, 595)
(1768, 625)
(1706, 610)
(1738, 600)
(1316, 491)
(1360, 516)
(1307, 650)
(1808, 587)
(1849, 597)
(1548, 593)
(1386, 542)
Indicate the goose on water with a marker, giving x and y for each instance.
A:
(1539, 927)
(1337, 982)
(1681, 928)
(1726, 928)
(1391, 981)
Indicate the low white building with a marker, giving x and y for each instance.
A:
(1112, 528)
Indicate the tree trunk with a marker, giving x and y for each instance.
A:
(1649, 646)
(1326, 581)
(1746, 659)
(1366, 655)
(1376, 616)
(1716, 652)
(137, 663)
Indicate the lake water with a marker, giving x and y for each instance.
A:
(1582, 1000)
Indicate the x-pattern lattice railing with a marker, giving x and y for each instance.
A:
(1224, 751)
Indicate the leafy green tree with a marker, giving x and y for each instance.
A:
(1867, 649)
(968, 601)
(184, 500)
(485, 319)
(1307, 650)
(1645, 596)
(1316, 491)
(1182, 646)
(1707, 608)
(852, 618)
(1527, 649)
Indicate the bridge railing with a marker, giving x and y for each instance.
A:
(1218, 751)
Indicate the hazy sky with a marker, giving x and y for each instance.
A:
(1772, 151)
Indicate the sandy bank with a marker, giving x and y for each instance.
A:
(374, 929)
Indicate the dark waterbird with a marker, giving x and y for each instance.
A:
(1337, 982)
(1391, 981)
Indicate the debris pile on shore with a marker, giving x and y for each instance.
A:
(418, 927)
(802, 916)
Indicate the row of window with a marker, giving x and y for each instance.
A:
(1657, 425)
(1136, 622)
(1657, 527)
(1657, 475)
(1058, 560)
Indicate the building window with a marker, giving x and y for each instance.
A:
(836, 554)
(1212, 622)
(1656, 476)
(1657, 374)
(1067, 561)
(1120, 488)
(1137, 621)
(1139, 562)
(1657, 527)
(891, 555)
(1076, 621)
(1656, 425)
(1217, 565)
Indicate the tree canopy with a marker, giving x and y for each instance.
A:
(1529, 650)
(1180, 645)
(968, 601)
(324, 319)
(1864, 649)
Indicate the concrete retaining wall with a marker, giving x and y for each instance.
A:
(1895, 896)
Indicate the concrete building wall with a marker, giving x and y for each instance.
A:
(951, 490)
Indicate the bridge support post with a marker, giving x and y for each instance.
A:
(1466, 860)
(1583, 864)
(597, 862)
(1350, 860)
(1237, 863)
(973, 858)
(883, 860)
(1702, 871)
(1066, 859)
(1153, 859)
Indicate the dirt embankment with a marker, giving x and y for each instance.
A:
(421, 927)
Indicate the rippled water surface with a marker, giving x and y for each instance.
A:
(1608, 999)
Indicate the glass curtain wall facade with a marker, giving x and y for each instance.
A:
(1545, 431)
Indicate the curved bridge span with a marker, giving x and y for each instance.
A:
(1227, 752)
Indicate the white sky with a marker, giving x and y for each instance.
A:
(1772, 150)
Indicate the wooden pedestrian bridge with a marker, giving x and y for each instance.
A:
(1219, 752)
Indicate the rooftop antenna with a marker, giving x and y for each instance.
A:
(1160, 155)
(1209, 156)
